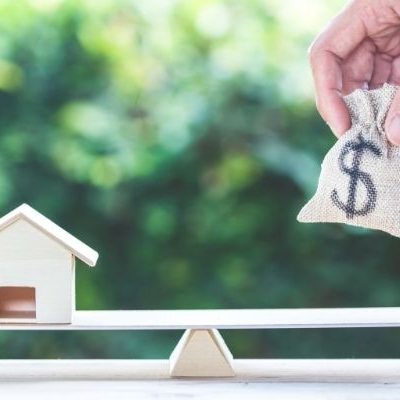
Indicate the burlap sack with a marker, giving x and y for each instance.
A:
(360, 176)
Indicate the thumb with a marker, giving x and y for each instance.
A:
(392, 123)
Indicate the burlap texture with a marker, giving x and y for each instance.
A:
(360, 175)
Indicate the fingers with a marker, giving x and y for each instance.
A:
(328, 91)
(358, 68)
(335, 44)
(382, 69)
(392, 123)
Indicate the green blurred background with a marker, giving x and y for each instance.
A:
(179, 138)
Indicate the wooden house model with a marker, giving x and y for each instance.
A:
(37, 268)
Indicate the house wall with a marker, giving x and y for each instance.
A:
(28, 257)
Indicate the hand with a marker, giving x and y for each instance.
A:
(360, 48)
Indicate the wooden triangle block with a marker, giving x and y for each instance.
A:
(201, 353)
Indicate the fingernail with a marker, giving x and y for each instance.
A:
(393, 132)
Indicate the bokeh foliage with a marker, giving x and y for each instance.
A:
(179, 138)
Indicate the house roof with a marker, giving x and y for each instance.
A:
(74, 245)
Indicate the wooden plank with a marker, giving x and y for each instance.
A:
(224, 319)
(384, 371)
(200, 389)
(177, 390)
(149, 379)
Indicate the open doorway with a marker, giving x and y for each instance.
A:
(17, 302)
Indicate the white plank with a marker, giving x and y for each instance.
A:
(196, 390)
(178, 390)
(224, 319)
(383, 371)
(149, 379)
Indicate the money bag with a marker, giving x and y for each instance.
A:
(359, 182)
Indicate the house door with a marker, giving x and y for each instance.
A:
(17, 302)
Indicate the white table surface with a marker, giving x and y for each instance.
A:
(148, 379)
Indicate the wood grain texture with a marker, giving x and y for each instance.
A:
(201, 390)
(201, 353)
(385, 371)
(149, 379)
(224, 319)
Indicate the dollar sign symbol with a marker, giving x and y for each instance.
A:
(359, 147)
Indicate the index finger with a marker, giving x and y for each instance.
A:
(336, 43)
(328, 92)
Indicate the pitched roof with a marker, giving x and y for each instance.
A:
(74, 245)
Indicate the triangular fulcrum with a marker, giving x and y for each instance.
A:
(201, 353)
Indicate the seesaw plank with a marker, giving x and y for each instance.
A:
(224, 319)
